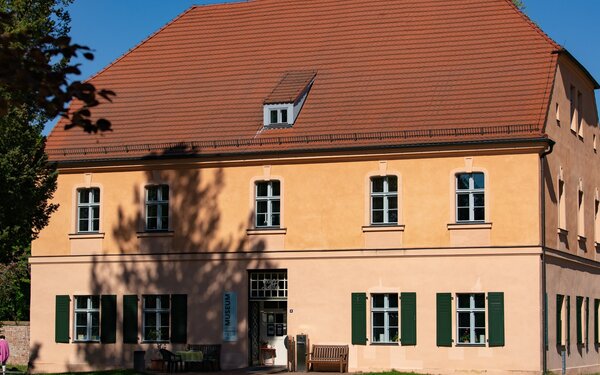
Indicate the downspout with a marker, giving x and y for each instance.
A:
(543, 245)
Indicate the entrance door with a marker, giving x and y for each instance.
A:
(268, 316)
(273, 329)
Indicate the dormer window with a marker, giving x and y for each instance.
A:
(282, 107)
(279, 116)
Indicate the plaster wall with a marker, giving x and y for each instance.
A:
(325, 205)
(320, 284)
(573, 159)
(569, 277)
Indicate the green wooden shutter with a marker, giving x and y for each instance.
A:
(578, 310)
(61, 323)
(568, 321)
(359, 318)
(408, 318)
(179, 318)
(559, 304)
(444, 319)
(108, 319)
(130, 319)
(587, 320)
(496, 318)
(596, 321)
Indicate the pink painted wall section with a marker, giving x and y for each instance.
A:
(320, 286)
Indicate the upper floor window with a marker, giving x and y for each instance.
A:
(562, 206)
(268, 210)
(384, 317)
(87, 318)
(278, 115)
(88, 210)
(384, 200)
(157, 207)
(470, 318)
(156, 312)
(470, 197)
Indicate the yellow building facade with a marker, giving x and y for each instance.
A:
(471, 251)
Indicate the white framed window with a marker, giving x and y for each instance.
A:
(268, 285)
(470, 197)
(157, 207)
(562, 206)
(268, 203)
(87, 318)
(156, 313)
(470, 318)
(384, 200)
(278, 115)
(597, 221)
(88, 210)
(580, 214)
(384, 318)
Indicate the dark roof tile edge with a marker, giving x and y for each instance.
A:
(194, 146)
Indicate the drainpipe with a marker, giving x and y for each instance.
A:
(543, 245)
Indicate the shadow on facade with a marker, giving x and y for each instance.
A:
(195, 259)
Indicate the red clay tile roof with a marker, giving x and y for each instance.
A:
(389, 72)
(291, 87)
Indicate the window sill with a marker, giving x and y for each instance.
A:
(156, 233)
(265, 231)
(383, 228)
(385, 343)
(474, 225)
(581, 238)
(562, 232)
(81, 236)
(86, 341)
(471, 345)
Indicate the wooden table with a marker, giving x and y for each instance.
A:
(191, 358)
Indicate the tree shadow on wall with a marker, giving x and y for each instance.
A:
(201, 256)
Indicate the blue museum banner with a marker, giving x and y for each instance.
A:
(229, 316)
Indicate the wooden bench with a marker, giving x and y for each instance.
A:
(328, 355)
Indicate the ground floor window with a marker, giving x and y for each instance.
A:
(384, 317)
(470, 318)
(156, 312)
(87, 318)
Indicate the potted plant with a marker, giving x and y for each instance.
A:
(156, 363)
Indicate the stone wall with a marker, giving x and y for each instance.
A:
(17, 335)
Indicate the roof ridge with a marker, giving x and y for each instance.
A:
(534, 25)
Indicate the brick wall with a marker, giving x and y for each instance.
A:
(17, 335)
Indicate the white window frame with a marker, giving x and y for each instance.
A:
(159, 203)
(88, 312)
(471, 310)
(270, 198)
(89, 206)
(471, 191)
(386, 194)
(386, 310)
(157, 311)
(279, 108)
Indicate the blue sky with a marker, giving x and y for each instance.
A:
(112, 27)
